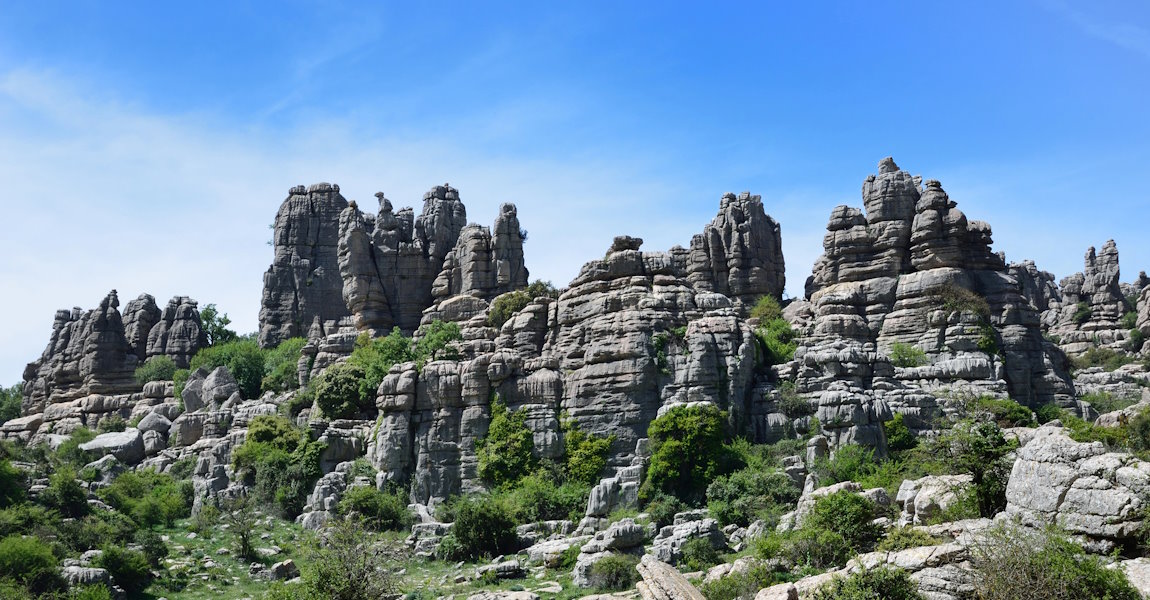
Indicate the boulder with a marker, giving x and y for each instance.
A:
(83, 576)
(156, 422)
(668, 544)
(662, 582)
(284, 570)
(127, 446)
(923, 498)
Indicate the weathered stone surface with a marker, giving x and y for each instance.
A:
(662, 582)
(283, 570)
(303, 282)
(920, 499)
(154, 422)
(83, 576)
(668, 545)
(739, 254)
(1144, 312)
(127, 446)
(1038, 287)
(1081, 487)
(140, 316)
(179, 332)
(485, 262)
(1097, 289)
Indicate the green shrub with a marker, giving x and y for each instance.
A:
(749, 494)
(506, 453)
(542, 289)
(338, 392)
(11, 399)
(380, 511)
(585, 455)
(898, 436)
(280, 462)
(849, 515)
(1047, 413)
(616, 572)
(1082, 313)
(156, 368)
(1105, 402)
(699, 555)
(806, 547)
(69, 451)
(1129, 319)
(687, 453)
(1015, 562)
(150, 498)
(29, 562)
(980, 450)
(882, 583)
(110, 424)
(29, 519)
(65, 494)
(767, 309)
(953, 299)
(538, 497)
(179, 380)
(153, 546)
(848, 463)
(778, 341)
(1101, 356)
(791, 404)
(349, 566)
(905, 355)
(505, 306)
(377, 356)
(98, 528)
(88, 592)
(11, 484)
(1085, 431)
(436, 342)
(129, 568)
(1136, 341)
(482, 527)
(1138, 431)
(903, 538)
(1005, 412)
(243, 358)
(281, 366)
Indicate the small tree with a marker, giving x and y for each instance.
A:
(349, 565)
(687, 453)
(156, 368)
(215, 326)
(506, 452)
(980, 450)
(240, 516)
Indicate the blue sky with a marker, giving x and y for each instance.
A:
(147, 146)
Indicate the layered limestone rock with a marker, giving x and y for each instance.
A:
(1144, 312)
(303, 281)
(1038, 287)
(140, 316)
(912, 270)
(178, 334)
(390, 261)
(485, 262)
(739, 254)
(1092, 306)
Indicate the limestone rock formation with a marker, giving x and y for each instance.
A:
(1093, 304)
(140, 316)
(390, 261)
(303, 281)
(1038, 287)
(739, 254)
(913, 270)
(179, 333)
(1144, 311)
(485, 262)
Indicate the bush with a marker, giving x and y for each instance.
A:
(156, 368)
(1105, 402)
(749, 494)
(281, 366)
(338, 392)
(615, 572)
(1138, 431)
(903, 538)
(215, 327)
(953, 298)
(380, 511)
(29, 563)
(69, 451)
(11, 484)
(806, 547)
(849, 463)
(348, 566)
(687, 453)
(538, 497)
(767, 309)
(980, 450)
(153, 546)
(1015, 562)
(778, 341)
(110, 424)
(849, 515)
(699, 555)
(436, 342)
(376, 357)
(1005, 412)
(791, 404)
(506, 453)
(243, 358)
(11, 399)
(482, 527)
(905, 355)
(585, 456)
(280, 462)
(129, 568)
(505, 306)
(1047, 413)
(898, 436)
(741, 585)
(65, 494)
(1082, 313)
(150, 498)
(882, 583)
(1100, 356)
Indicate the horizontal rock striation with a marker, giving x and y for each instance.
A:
(1092, 305)
(739, 254)
(303, 281)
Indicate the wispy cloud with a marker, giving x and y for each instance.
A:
(1130, 36)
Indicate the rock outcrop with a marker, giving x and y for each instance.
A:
(1092, 306)
(913, 271)
(485, 262)
(179, 333)
(303, 282)
(740, 253)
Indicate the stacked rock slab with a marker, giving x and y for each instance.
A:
(631, 336)
(739, 254)
(303, 281)
(913, 270)
(96, 352)
(1038, 287)
(1144, 311)
(1096, 289)
(390, 262)
(485, 262)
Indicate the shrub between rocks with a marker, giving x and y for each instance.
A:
(482, 526)
(616, 572)
(882, 583)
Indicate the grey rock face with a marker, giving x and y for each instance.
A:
(390, 262)
(303, 281)
(179, 332)
(127, 446)
(88, 353)
(140, 316)
(668, 545)
(485, 262)
(1144, 311)
(913, 270)
(1098, 289)
(662, 582)
(1038, 287)
(739, 254)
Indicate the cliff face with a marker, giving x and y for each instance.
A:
(740, 253)
(1092, 305)
(303, 281)
(913, 270)
(97, 351)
